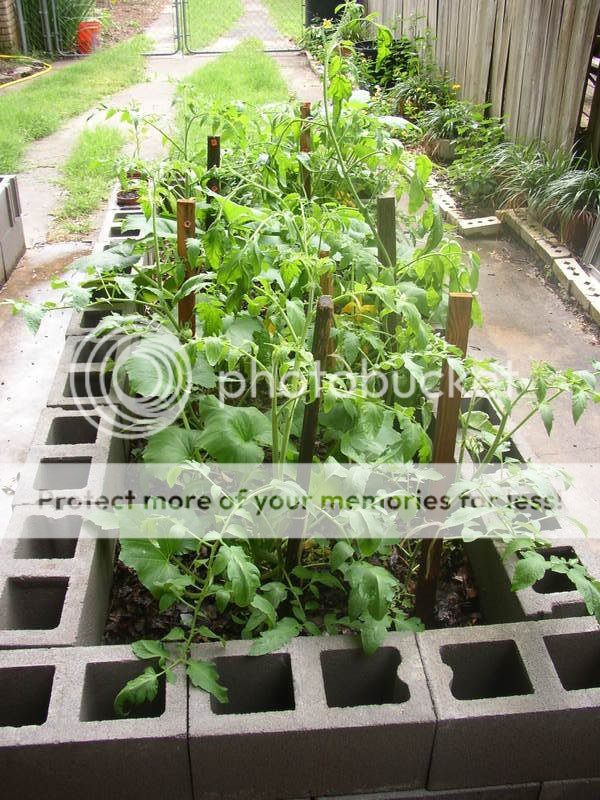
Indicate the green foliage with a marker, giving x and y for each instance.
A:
(210, 19)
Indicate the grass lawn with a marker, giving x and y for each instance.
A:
(210, 19)
(288, 16)
(87, 177)
(247, 74)
(41, 106)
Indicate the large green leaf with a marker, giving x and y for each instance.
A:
(172, 445)
(233, 435)
(152, 565)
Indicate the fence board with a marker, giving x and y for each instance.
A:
(527, 59)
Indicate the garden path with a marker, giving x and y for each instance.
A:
(27, 363)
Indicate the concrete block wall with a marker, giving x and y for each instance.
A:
(61, 738)
(9, 31)
(54, 592)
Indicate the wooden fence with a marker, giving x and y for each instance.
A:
(528, 58)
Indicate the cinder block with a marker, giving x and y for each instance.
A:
(316, 718)
(567, 270)
(529, 791)
(571, 790)
(55, 580)
(61, 738)
(84, 322)
(69, 458)
(480, 226)
(554, 596)
(550, 248)
(585, 290)
(84, 375)
(513, 704)
(594, 310)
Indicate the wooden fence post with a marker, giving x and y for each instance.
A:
(186, 229)
(213, 159)
(444, 445)
(320, 347)
(305, 146)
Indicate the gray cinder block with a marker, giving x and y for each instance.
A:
(554, 596)
(60, 737)
(69, 458)
(514, 703)
(316, 718)
(55, 580)
(84, 377)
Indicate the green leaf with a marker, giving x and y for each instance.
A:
(213, 350)
(142, 689)
(547, 415)
(578, 405)
(379, 587)
(148, 648)
(264, 606)
(276, 638)
(203, 374)
(295, 314)
(589, 590)
(341, 552)
(204, 675)
(152, 565)
(232, 434)
(174, 635)
(241, 572)
(172, 445)
(372, 633)
(529, 570)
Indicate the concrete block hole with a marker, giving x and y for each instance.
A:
(352, 678)
(484, 670)
(32, 604)
(62, 473)
(73, 430)
(87, 384)
(92, 317)
(576, 658)
(25, 695)
(93, 351)
(104, 681)
(43, 537)
(555, 582)
(255, 684)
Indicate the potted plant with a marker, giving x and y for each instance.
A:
(129, 193)
(571, 203)
(445, 125)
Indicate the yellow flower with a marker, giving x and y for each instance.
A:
(456, 86)
(327, 23)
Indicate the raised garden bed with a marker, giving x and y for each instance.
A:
(283, 716)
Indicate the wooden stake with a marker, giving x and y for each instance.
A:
(444, 445)
(305, 146)
(323, 325)
(327, 289)
(186, 229)
(387, 252)
(213, 159)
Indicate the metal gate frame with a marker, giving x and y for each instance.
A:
(187, 48)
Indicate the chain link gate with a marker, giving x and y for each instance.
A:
(277, 23)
